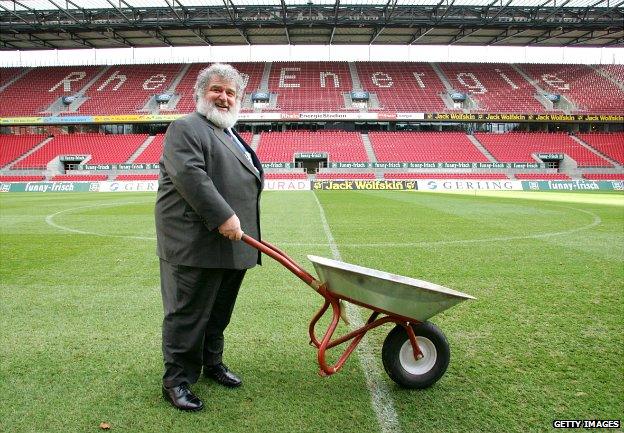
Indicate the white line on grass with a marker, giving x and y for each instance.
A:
(380, 395)
(50, 221)
(595, 222)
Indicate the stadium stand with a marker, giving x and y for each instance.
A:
(128, 88)
(151, 154)
(33, 178)
(288, 176)
(338, 175)
(616, 72)
(33, 93)
(14, 146)
(403, 86)
(186, 104)
(581, 84)
(137, 177)
(611, 145)
(497, 88)
(544, 176)
(184, 89)
(339, 145)
(604, 176)
(9, 74)
(433, 175)
(519, 146)
(315, 86)
(424, 147)
(80, 177)
(324, 86)
(104, 149)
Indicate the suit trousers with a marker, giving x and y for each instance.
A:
(198, 304)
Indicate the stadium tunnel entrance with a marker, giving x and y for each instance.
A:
(311, 162)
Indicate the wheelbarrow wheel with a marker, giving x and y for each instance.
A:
(398, 356)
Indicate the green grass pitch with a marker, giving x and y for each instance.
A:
(81, 312)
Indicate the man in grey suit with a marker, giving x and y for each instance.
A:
(208, 195)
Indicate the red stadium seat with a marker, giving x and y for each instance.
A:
(137, 177)
(104, 149)
(425, 147)
(80, 177)
(611, 145)
(493, 176)
(591, 92)
(542, 176)
(341, 146)
(497, 88)
(518, 147)
(339, 175)
(35, 178)
(14, 146)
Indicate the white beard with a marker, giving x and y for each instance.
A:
(216, 116)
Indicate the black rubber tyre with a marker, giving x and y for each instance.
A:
(398, 356)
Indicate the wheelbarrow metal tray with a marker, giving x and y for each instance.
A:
(396, 294)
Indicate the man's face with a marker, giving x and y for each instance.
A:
(220, 103)
(222, 94)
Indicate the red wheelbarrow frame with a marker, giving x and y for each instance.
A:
(335, 301)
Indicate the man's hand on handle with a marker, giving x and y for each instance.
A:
(231, 228)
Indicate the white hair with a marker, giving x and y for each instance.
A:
(220, 70)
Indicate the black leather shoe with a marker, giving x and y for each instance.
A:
(182, 398)
(220, 374)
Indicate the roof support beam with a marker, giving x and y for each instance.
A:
(80, 40)
(594, 35)
(40, 41)
(419, 34)
(9, 45)
(19, 17)
(463, 35)
(448, 9)
(619, 41)
(366, 21)
(555, 11)
(119, 12)
(116, 37)
(333, 32)
(611, 9)
(32, 11)
(228, 4)
(175, 12)
(200, 34)
(506, 35)
(375, 34)
(284, 20)
(64, 11)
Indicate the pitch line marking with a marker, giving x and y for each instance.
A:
(596, 221)
(49, 219)
(381, 399)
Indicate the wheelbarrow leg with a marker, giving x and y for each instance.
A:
(313, 340)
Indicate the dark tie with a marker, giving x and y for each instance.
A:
(240, 146)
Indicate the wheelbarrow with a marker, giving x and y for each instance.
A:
(415, 353)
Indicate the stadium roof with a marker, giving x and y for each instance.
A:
(71, 24)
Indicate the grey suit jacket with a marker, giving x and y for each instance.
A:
(205, 179)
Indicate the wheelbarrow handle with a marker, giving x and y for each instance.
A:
(284, 259)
